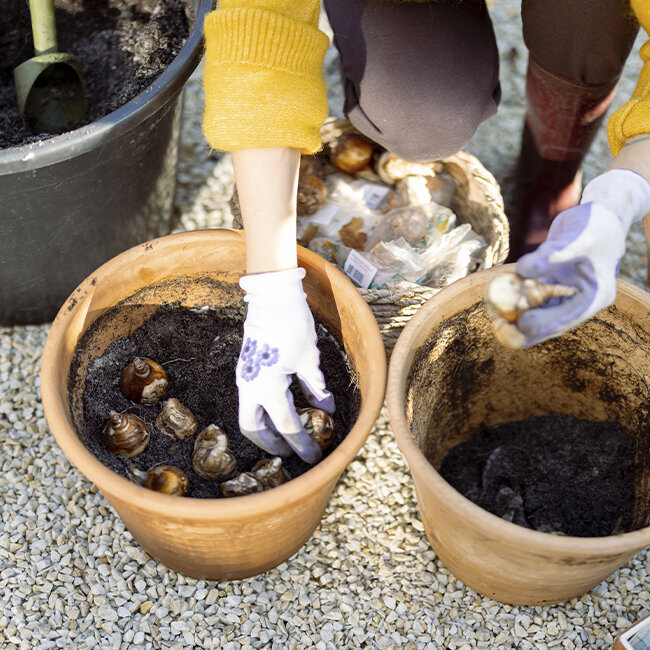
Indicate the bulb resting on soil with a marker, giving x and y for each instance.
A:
(212, 458)
(270, 472)
(125, 434)
(143, 381)
(176, 420)
(318, 424)
(163, 478)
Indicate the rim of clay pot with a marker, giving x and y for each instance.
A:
(55, 403)
(412, 336)
(130, 115)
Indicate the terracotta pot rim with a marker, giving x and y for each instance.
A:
(327, 470)
(418, 463)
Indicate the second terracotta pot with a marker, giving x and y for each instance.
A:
(449, 378)
(206, 538)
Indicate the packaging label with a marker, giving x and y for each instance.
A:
(374, 194)
(359, 270)
(324, 216)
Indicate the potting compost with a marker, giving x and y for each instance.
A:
(123, 45)
(199, 351)
(553, 473)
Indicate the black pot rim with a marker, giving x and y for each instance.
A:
(73, 143)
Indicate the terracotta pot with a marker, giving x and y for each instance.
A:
(448, 377)
(207, 538)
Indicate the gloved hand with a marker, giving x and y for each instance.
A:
(279, 341)
(584, 247)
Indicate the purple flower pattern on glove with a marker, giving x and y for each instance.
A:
(248, 349)
(250, 368)
(252, 362)
(268, 356)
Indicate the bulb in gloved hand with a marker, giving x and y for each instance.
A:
(509, 295)
(126, 434)
(352, 154)
(176, 420)
(143, 381)
(163, 478)
(318, 424)
(212, 458)
(270, 472)
(245, 483)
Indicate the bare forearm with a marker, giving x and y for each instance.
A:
(635, 155)
(267, 184)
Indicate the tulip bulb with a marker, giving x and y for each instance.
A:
(176, 420)
(352, 154)
(125, 434)
(143, 381)
(509, 295)
(312, 193)
(270, 472)
(163, 478)
(212, 458)
(245, 483)
(318, 424)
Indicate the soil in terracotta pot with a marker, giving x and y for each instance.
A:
(123, 46)
(199, 351)
(553, 473)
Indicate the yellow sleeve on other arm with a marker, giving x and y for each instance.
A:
(633, 118)
(263, 75)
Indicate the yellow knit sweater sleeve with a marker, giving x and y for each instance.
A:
(633, 118)
(263, 78)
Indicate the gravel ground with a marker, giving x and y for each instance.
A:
(72, 576)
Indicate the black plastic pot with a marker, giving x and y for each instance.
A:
(72, 202)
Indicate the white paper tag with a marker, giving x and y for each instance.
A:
(359, 269)
(324, 216)
(374, 194)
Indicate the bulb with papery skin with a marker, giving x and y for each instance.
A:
(318, 424)
(212, 458)
(143, 381)
(270, 472)
(176, 420)
(352, 153)
(126, 434)
(241, 485)
(162, 478)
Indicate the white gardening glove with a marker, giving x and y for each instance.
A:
(584, 247)
(279, 341)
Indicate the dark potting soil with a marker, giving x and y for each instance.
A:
(123, 46)
(553, 473)
(199, 351)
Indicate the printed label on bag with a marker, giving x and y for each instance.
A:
(359, 269)
(374, 194)
(324, 216)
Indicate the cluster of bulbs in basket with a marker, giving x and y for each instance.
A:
(145, 381)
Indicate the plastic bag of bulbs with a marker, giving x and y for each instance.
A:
(382, 219)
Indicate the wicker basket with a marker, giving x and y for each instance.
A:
(477, 201)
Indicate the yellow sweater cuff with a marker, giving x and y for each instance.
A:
(633, 118)
(263, 81)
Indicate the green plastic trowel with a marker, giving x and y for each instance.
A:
(49, 86)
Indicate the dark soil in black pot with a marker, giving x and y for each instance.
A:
(553, 473)
(123, 46)
(199, 351)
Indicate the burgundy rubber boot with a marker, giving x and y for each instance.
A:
(562, 119)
